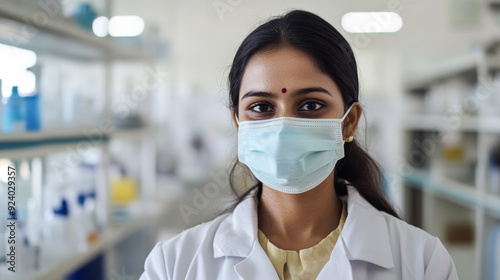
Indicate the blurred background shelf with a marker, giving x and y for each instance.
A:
(441, 123)
(47, 148)
(133, 133)
(466, 65)
(29, 144)
(80, 79)
(455, 191)
(438, 123)
(110, 237)
(450, 136)
(59, 35)
(33, 144)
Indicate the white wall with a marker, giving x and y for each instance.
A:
(203, 41)
(205, 44)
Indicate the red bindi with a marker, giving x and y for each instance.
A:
(283, 90)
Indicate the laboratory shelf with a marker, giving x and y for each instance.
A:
(47, 149)
(110, 237)
(439, 123)
(457, 192)
(70, 39)
(21, 145)
(442, 71)
(38, 135)
(133, 133)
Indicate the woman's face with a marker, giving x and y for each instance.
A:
(286, 83)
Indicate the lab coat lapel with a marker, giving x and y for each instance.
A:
(365, 232)
(237, 232)
(256, 266)
(237, 237)
(364, 237)
(338, 267)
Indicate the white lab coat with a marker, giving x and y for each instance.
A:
(372, 245)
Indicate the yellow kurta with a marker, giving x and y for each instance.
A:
(306, 263)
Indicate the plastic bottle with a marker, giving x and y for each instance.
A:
(124, 188)
(32, 112)
(14, 112)
(88, 232)
(81, 200)
(85, 186)
(63, 238)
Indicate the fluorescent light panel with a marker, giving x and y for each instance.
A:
(372, 22)
(100, 26)
(125, 26)
(118, 26)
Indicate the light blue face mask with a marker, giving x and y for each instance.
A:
(291, 155)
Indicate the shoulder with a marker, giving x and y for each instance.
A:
(188, 242)
(413, 245)
(402, 231)
(179, 251)
(195, 236)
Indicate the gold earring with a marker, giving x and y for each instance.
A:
(349, 139)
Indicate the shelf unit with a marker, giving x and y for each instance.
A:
(40, 144)
(433, 199)
(61, 37)
(455, 191)
(110, 237)
(470, 124)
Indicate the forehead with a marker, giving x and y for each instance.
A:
(284, 67)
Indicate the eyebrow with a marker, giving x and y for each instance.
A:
(297, 92)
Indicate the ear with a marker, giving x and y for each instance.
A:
(351, 121)
(233, 115)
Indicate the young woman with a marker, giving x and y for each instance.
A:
(317, 211)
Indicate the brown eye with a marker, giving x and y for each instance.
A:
(261, 108)
(311, 106)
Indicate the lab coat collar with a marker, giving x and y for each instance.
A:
(238, 231)
(365, 232)
(365, 235)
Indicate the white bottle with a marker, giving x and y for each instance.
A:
(87, 229)
(59, 236)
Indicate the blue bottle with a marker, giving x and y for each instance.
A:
(85, 15)
(13, 112)
(32, 112)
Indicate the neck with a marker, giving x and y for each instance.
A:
(299, 221)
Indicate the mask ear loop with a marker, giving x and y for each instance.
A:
(344, 116)
(347, 113)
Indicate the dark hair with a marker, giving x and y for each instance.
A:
(332, 55)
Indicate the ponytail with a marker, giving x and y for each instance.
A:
(360, 170)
